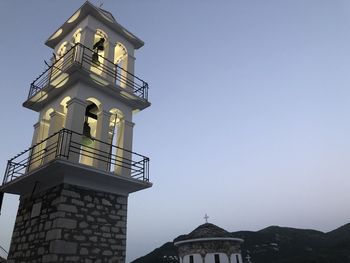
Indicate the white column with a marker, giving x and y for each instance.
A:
(56, 124)
(109, 55)
(131, 69)
(36, 133)
(34, 151)
(131, 64)
(102, 151)
(75, 115)
(87, 37)
(127, 145)
(75, 122)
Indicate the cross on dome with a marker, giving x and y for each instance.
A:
(206, 218)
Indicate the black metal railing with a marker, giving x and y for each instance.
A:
(84, 56)
(67, 145)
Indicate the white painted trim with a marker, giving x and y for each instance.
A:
(209, 239)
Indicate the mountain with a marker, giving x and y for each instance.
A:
(276, 244)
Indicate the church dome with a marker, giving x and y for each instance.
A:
(209, 243)
(206, 230)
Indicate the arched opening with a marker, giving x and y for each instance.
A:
(38, 152)
(57, 61)
(89, 133)
(121, 61)
(99, 51)
(116, 138)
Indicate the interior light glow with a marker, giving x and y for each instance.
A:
(60, 80)
(99, 80)
(58, 32)
(74, 17)
(40, 96)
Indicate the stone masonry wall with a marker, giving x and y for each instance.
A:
(70, 224)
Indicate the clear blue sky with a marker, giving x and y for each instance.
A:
(250, 115)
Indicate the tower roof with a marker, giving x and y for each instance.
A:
(205, 231)
(102, 15)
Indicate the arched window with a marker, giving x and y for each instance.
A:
(89, 133)
(99, 51)
(57, 60)
(121, 61)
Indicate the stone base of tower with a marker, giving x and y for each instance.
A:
(70, 224)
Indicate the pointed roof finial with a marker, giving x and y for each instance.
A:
(206, 218)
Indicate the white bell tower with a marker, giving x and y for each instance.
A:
(75, 179)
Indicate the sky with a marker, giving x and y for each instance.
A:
(249, 120)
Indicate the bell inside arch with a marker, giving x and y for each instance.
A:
(95, 58)
(90, 114)
(87, 139)
(98, 47)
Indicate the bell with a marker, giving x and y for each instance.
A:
(86, 139)
(99, 44)
(95, 58)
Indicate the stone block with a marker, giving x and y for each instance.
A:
(70, 193)
(67, 208)
(49, 258)
(122, 200)
(84, 251)
(107, 253)
(83, 225)
(77, 202)
(122, 213)
(65, 223)
(88, 198)
(53, 234)
(79, 237)
(59, 200)
(41, 250)
(63, 247)
(36, 209)
(106, 202)
(72, 259)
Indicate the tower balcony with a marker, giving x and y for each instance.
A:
(90, 66)
(67, 156)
